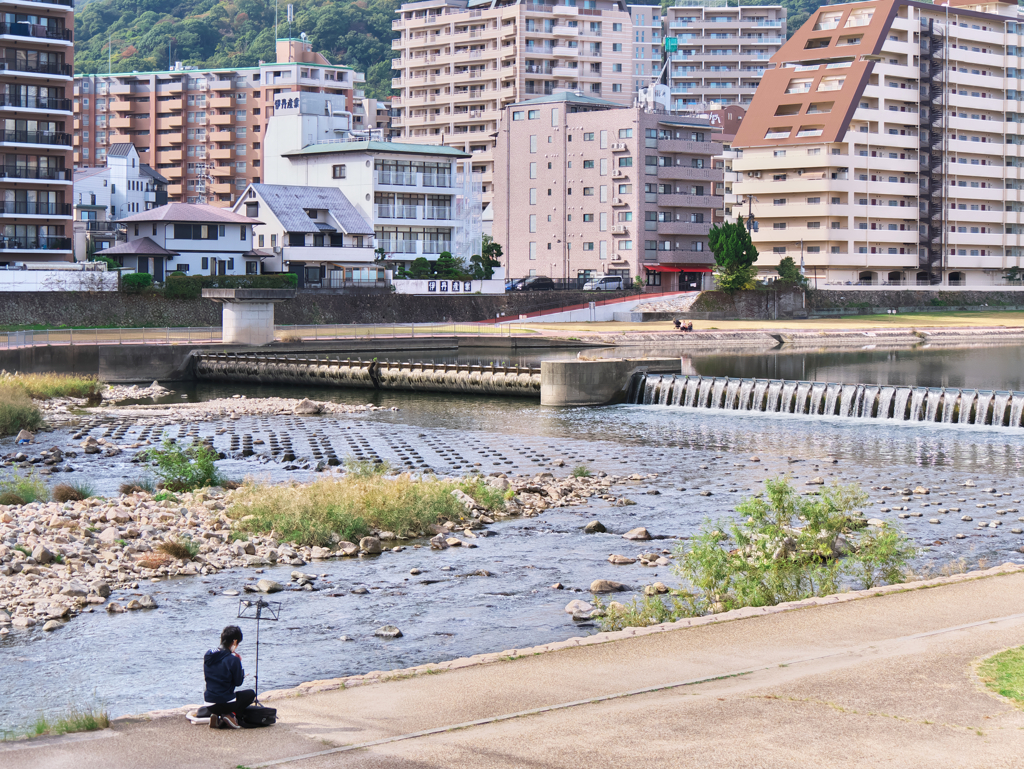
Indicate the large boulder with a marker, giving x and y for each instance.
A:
(370, 545)
(42, 555)
(438, 542)
(388, 631)
(621, 560)
(75, 590)
(639, 534)
(577, 605)
(306, 406)
(607, 586)
(594, 527)
(269, 586)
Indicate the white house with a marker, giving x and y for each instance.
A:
(314, 232)
(188, 238)
(421, 199)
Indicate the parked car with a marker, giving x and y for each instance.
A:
(513, 284)
(536, 283)
(607, 283)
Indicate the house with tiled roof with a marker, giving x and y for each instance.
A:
(188, 238)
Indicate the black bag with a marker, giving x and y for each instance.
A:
(256, 716)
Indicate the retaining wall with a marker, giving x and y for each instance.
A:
(595, 383)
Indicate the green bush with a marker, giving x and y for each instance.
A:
(17, 412)
(185, 468)
(135, 282)
(179, 286)
(28, 488)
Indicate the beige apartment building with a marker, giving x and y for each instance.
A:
(586, 188)
(462, 62)
(648, 26)
(722, 51)
(887, 147)
(203, 128)
(36, 175)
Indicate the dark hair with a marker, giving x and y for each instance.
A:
(229, 635)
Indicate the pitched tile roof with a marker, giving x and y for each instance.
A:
(289, 202)
(147, 170)
(120, 150)
(190, 212)
(139, 247)
(372, 146)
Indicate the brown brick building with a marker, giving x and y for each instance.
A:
(585, 187)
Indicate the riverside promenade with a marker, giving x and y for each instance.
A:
(878, 678)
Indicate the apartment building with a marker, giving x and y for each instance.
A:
(35, 178)
(648, 22)
(461, 62)
(886, 145)
(587, 188)
(722, 51)
(203, 128)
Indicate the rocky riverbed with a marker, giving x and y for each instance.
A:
(59, 560)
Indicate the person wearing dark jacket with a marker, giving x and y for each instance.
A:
(222, 669)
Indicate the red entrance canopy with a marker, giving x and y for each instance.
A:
(661, 268)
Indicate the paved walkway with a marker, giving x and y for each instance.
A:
(886, 681)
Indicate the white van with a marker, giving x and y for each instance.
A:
(607, 283)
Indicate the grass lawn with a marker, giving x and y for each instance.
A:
(906, 320)
(1003, 673)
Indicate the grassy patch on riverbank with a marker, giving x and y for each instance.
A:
(1003, 673)
(46, 386)
(73, 720)
(347, 508)
(17, 412)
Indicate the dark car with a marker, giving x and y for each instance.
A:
(513, 284)
(536, 283)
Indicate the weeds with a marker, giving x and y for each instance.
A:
(73, 720)
(181, 548)
(185, 468)
(364, 468)
(28, 488)
(10, 498)
(17, 412)
(165, 496)
(23, 549)
(135, 485)
(46, 386)
(581, 471)
(764, 559)
(72, 492)
(333, 510)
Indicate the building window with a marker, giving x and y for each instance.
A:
(533, 114)
(588, 246)
(518, 115)
(181, 267)
(588, 137)
(533, 222)
(338, 172)
(588, 163)
(626, 162)
(588, 191)
(625, 133)
(533, 251)
(206, 262)
(251, 267)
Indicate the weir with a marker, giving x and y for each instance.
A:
(325, 371)
(938, 405)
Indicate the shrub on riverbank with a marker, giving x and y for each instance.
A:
(786, 547)
(27, 489)
(336, 509)
(185, 468)
(17, 412)
(46, 386)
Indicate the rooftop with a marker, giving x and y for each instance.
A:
(145, 246)
(190, 212)
(374, 146)
(120, 150)
(571, 97)
(289, 204)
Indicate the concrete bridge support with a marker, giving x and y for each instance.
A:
(247, 315)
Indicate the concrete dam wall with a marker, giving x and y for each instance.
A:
(324, 371)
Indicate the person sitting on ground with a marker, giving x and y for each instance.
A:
(689, 326)
(678, 324)
(223, 671)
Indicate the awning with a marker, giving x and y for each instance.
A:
(661, 268)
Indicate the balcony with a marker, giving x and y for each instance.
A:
(15, 101)
(222, 136)
(221, 120)
(174, 190)
(120, 122)
(30, 173)
(688, 173)
(414, 247)
(348, 254)
(171, 173)
(221, 172)
(36, 67)
(563, 30)
(684, 228)
(168, 156)
(396, 212)
(38, 31)
(165, 123)
(221, 154)
(221, 102)
(690, 201)
(92, 225)
(35, 243)
(22, 208)
(690, 147)
(397, 178)
(49, 138)
(222, 189)
(433, 212)
(572, 72)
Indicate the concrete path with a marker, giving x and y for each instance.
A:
(884, 681)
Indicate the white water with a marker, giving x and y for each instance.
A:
(850, 395)
(803, 389)
(678, 388)
(692, 389)
(760, 387)
(774, 391)
(730, 394)
(931, 411)
(871, 395)
(716, 393)
(817, 392)
(666, 389)
(786, 407)
(899, 408)
(981, 412)
(966, 404)
(999, 408)
(916, 402)
(705, 391)
(746, 388)
(1016, 407)
(949, 399)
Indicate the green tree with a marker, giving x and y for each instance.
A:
(734, 256)
(420, 268)
(448, 266)
(789, 273)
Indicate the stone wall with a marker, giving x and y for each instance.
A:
(747, 305)
(152, 310)
(868, 301)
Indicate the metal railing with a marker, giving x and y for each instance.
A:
(36, 137)
(35, 102)
(148, 336)
(34, 209)
(24, 29)
(36, 243)
(30, 172)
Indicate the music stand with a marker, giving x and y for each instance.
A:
(258, 610)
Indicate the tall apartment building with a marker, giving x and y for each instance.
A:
(886, 146)
(722, 51)
(648, 23)
(588, 188)
(202, 128)
(36, 175)
(463, 61)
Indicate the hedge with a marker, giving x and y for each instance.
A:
(180, 286)
(138, 281)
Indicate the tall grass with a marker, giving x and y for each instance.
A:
(330, 510)
(22, 490)
(46, 386)
(74, 719)
(17, 412)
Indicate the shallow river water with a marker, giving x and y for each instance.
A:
(139, 661)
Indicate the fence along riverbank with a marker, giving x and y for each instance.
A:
(941, 405)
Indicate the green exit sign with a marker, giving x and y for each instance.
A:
(671, 44)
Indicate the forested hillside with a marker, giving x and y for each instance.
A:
(145, 35)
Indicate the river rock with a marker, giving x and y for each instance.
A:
(42, 555)
(370, 545)
(52, 625)
(147, 602)
(348, 548)
(594, 527)
(640, 534)
(306, 406)
(454, 542)
(269, 586)
(438, 542)
(621, 560)
(22, 621)
(578, 606)
(133, 605)
(656, 589)
(415, 572)
(922, 490)
(24, 436)
(115, 608)
(876, 522)
(388, 631)
(298, 575)
(817, 481)
(75, 590)
(100, 588)
(606, 586)
(109, 534)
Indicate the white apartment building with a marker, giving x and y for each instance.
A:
(722, 51)
(461, 62)
(648, 21)
(886, 145)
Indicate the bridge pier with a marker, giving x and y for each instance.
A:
(247, 314)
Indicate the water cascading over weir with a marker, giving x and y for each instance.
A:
(940, 405)
(324, 371)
